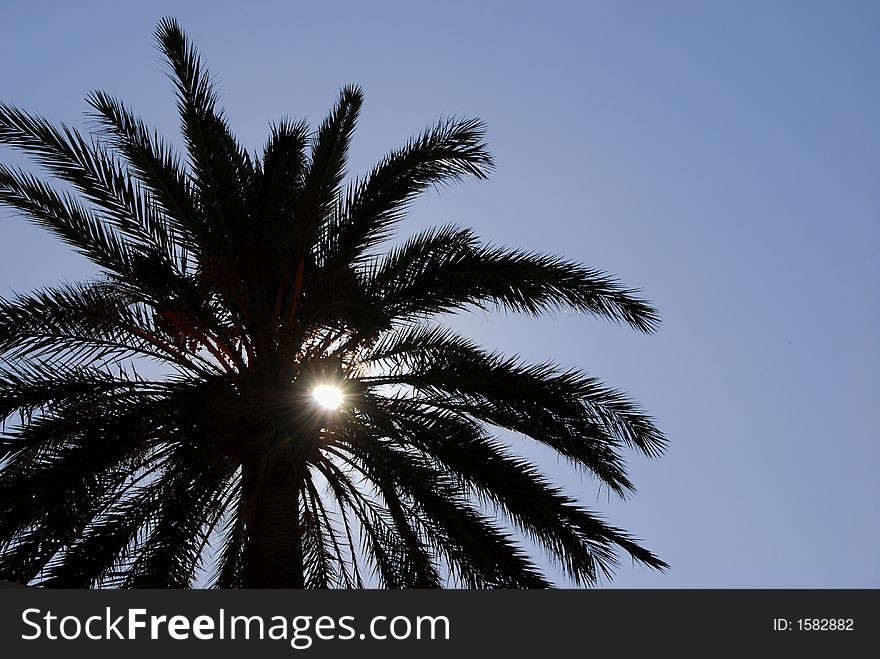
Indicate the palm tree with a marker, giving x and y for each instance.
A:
(252, 284)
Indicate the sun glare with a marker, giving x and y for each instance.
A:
(328, 396)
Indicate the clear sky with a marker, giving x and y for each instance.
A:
(723, 156)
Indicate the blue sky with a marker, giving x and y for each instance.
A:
(722, 156)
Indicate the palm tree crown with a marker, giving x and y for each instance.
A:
(252, 280)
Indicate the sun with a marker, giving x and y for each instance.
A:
(327, 396)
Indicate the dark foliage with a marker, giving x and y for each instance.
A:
(251, 279)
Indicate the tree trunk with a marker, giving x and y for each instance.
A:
(273, 556)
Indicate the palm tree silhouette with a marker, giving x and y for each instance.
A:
(256, 283)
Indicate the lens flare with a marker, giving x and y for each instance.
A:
(328, 396)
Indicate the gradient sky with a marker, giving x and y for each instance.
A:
(722, 156)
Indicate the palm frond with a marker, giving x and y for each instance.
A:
(100, 556)
(455, 374)
(283, 174)
(69, 220)
(221, 169)
(442, 270)
(443, 154)
(177, 532)
(93, 172)
(329, 154)
(581, 543)
(157, 168)
(478, 552)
